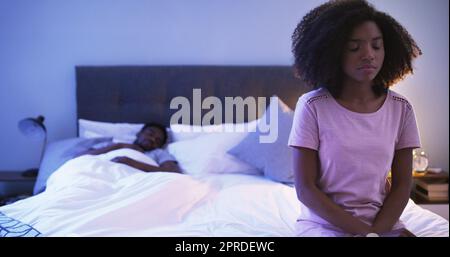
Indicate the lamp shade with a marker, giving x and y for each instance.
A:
(33, 127)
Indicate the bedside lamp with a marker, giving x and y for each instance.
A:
(34, 128)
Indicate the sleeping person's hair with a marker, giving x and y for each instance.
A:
(319, 40)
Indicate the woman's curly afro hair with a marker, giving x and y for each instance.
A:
(319, 40)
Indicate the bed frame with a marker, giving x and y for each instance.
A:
(139, 94)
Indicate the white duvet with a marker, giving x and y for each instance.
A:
(91, 196)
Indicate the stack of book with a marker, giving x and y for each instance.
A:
(432, 189)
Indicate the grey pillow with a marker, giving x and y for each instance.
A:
(57, 153)
(274, 159)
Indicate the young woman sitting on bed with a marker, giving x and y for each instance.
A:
(149, 140)
(352, 130)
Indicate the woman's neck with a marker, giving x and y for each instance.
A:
(357, 92)
(360, 97)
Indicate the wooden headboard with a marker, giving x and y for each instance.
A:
(139, 94)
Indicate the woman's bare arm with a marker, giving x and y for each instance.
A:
(395, 202)
(306, 170)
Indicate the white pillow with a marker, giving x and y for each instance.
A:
(120, 132)
(208, 153)
(274, 158)
(180, 132)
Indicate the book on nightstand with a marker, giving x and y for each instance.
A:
(432, 189)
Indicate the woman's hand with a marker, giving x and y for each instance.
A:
(406, 233)
(403, 232)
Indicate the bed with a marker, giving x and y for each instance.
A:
(218, 194)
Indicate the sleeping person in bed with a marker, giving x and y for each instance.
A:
(149, 140)
(352, 130)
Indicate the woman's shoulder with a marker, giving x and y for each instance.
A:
(399, 100)
(314, 96)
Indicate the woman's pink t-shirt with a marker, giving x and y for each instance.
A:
(355, 149)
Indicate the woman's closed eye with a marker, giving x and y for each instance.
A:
(377, 46)
(353, 47)
(377, 43)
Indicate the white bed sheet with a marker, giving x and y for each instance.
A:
(91, 196)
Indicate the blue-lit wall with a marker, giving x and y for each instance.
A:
(42, 40)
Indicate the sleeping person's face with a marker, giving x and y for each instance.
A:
(150, 138)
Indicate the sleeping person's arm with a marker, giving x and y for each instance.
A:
(169, 166)
(306, 171)
(112, 147)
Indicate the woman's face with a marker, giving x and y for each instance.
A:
(364, 53)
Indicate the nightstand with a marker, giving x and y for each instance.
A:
(14, 184)
(439, 207)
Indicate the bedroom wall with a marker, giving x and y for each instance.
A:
(42, 41)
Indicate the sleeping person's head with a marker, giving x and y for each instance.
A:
(151, 136)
